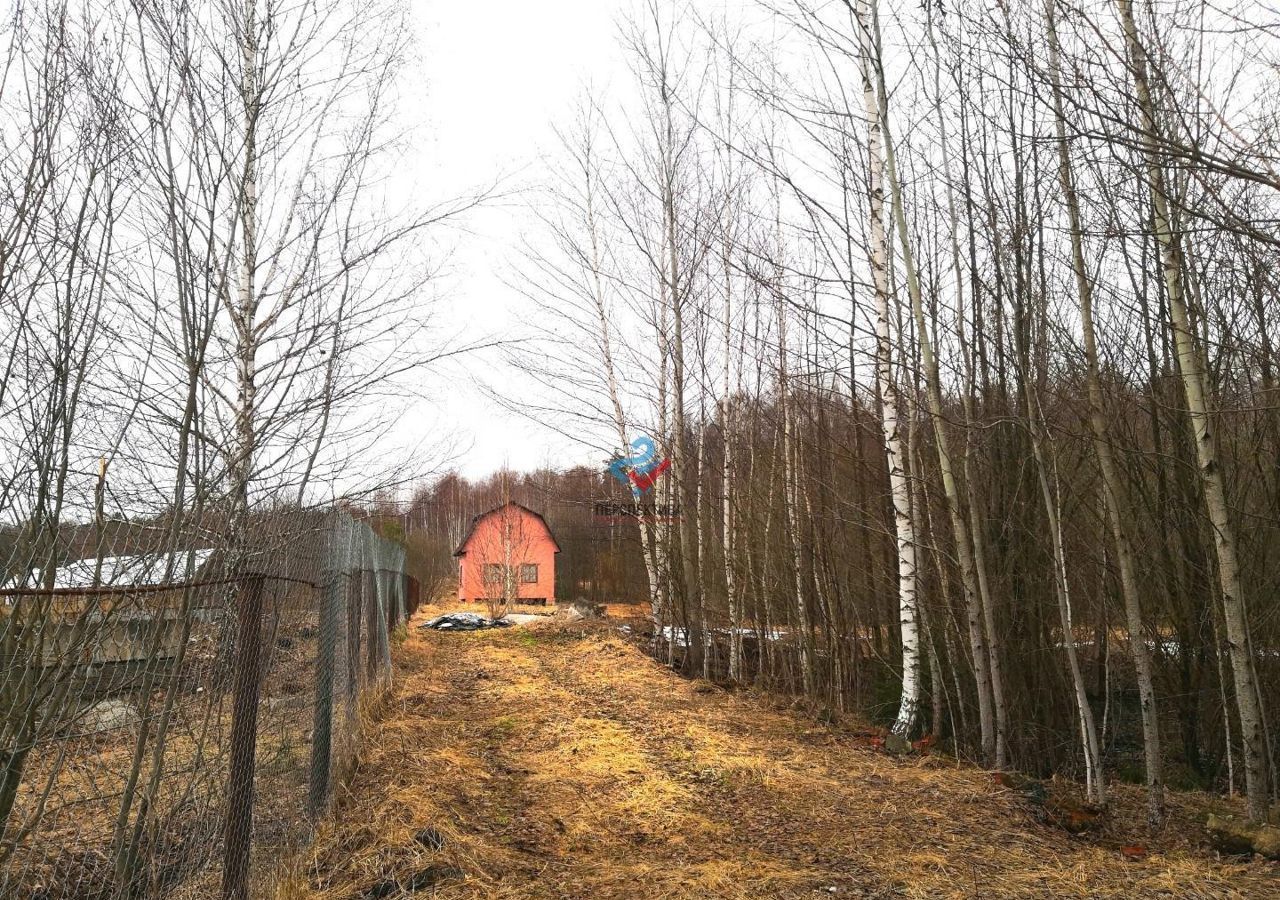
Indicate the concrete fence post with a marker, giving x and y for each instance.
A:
(354, 597)
(326, 661)
(373, 623)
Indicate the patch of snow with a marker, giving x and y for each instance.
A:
(678, 636)
(771, 635)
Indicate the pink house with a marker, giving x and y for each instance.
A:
(508, 553)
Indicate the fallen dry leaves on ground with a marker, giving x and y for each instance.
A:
(560, 761)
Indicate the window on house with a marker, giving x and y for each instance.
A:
(493, 573)
(529, 573)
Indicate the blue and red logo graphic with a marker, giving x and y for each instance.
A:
(640, 469)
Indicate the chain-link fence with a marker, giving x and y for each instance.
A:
(172, 724)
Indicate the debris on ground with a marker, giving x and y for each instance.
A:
(464, 621)
(430, 838)
(426, 879)
(387, 887)
(569, 614)
(431, 876)
(580, 609)
(1230, 835)
(896, 744)
(587, 609)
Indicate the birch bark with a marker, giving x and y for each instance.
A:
(904, 526)
(1192, 368)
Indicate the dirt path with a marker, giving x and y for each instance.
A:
(562, 762)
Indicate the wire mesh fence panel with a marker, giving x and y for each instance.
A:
(172, 725)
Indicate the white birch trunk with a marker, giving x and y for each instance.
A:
(244, 314)
(1192, 368)
(611, 378)
(700, 523)
(904, 527)
(726, 481)
(662, 601)
(959, 525)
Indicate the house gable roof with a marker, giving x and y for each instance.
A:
(462, 547)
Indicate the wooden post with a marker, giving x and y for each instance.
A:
(99, 520)
(238, 833)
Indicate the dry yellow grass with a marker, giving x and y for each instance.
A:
(559, 761)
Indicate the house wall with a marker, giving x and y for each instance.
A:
(514, 534)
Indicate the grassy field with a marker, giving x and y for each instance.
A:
(560, 761)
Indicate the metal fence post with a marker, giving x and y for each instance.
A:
(244, 738)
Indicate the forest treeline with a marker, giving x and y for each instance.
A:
(958, 326)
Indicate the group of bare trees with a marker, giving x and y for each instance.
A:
(959, 327)
(206, 267)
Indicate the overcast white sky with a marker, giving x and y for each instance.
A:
(498, 77)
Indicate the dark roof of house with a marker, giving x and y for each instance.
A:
(476, 521)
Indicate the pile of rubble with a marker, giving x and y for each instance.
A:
(464, 621)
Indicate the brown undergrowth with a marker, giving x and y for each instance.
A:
(560, 761)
